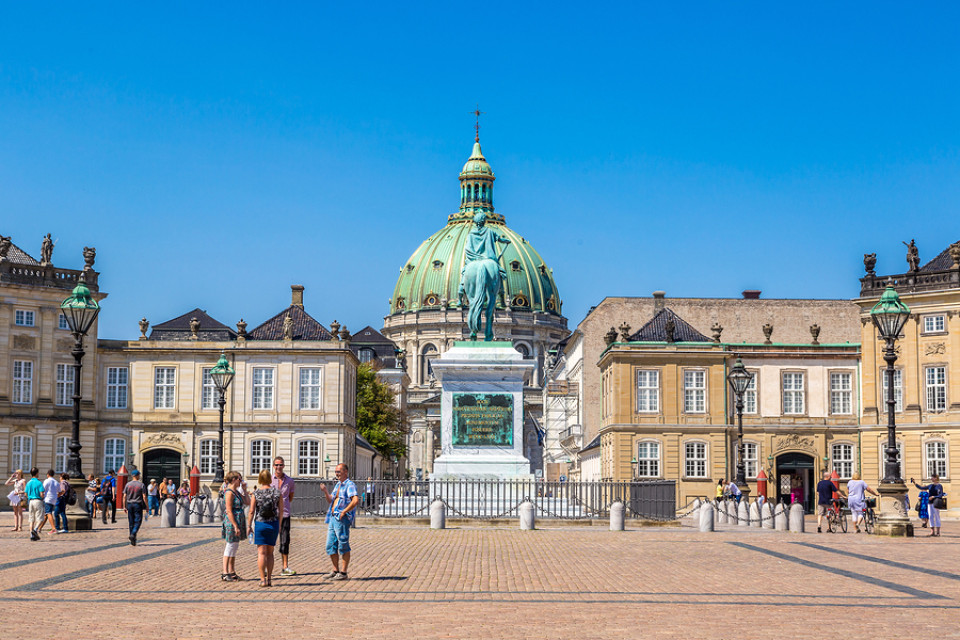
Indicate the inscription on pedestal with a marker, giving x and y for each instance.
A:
(482, 420)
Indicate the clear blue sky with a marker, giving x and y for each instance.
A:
(216, 154)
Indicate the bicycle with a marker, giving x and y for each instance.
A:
(869, 517)
(836, 518)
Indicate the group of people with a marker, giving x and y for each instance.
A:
(44, 501)
(263, 515)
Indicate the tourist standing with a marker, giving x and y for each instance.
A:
(153, 498)
(343, 503)
(856, 500)
(234, 529)
(163, 490)
(266, 507)
(17, 497)
(108, 491)
(60, 515)
(734, 491)
(134, 503)
(51, 495)
(936, 501)
(34, 491)
(720, 489)
(284, 484)
(369, 493)
(90, 496)
(923, 504)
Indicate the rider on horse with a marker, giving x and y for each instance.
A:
(480, 283)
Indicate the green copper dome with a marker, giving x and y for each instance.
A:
(429, 280)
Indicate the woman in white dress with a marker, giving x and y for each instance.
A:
(856, 499)
(17, 498)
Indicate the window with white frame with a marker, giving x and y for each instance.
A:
(694, 391)
(22, 382)
(751, 454)
(366, 355)
(936, 456)
(64, 384)
(209, 452)
(897, 390)
(695, 460)
(22, 453)
(310, 388)
(841, 393)
(261, 455)
(164, 387)
(793, 393)
(648, 459)
(934, 324)
(308, 458)
(262, 388)
(209, 396)
(936, 378)
(750, 394)
(62, 323)
(648, 391)
(62, 454)
(117, 387)
(842, 456)
(114, 453)
(24, 318)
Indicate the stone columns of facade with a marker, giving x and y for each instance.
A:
(428, 449)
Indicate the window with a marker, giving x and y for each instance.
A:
(310, 388)
(64, 384)
(694, 391)
(24, 318)
(897, 390)
(648, 460)
(117, 387)
(209, 396)
(262, 388)
(695, 460)
(22, 457)
(843, 460)
(261, 455)
(22, 382)
(648, 391)
(62, 454)
(426, 363)
(62, 323)
(750, 394)
(164, 389)
(793, 401)
(366, 355)
(936, 458)
(114, 453)
(936, 389)
(308, 460)
(934, 324)
(209, 452)
(882, 448)
(750, 456)
(841, 393)
(524, 350)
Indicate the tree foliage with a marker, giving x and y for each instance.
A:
(378, 419)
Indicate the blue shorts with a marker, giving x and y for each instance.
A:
(338, 537)
(49, 508)
(266, 533)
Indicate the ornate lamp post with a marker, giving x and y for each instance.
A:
(633, 465)
(222, 375)
(890, 315)
(739, 379)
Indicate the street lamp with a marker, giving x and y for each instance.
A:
(633, 464)
(222, 375)
(80, 311)
(739, 379)
(326, 464)
(890, 315)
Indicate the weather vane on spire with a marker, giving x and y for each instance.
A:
(477, 113)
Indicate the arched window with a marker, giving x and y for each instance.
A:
(476, 192)
(523, 349)
(308, 458)
(261, 455)
(428, 353)
(935, 457)
(22, 453)
(208, 456)
(62, 454)
(114, 453)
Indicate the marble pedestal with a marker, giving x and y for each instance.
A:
(481, 411)
(893, 519)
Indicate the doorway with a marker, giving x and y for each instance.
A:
(162, 463)
(795, 480)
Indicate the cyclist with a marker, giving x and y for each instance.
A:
(825, 490)
(856, 488)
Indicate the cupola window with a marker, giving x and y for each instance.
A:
(400, 302)
(515, 265)
(520, 300)
(437, 265)
(431, 300)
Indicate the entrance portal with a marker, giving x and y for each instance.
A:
(162, 463)
(795, 482)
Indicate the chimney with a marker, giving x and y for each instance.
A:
(658, 297)
(751, 294)
(296, 295)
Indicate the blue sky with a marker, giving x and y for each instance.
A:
(216, 154)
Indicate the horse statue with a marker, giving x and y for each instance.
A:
(481, 277)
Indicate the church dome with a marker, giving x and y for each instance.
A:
(430, 278)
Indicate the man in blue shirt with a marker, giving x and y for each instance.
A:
(34, 491)
(108, 489)
(343, 503)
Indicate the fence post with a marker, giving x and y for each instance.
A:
(168, 513)
(183, 512)
(616, 516)
(755, 515)
(528, 520)
(695, 512)
(796, 518)
(722, 513)
(706, 516)
(196, 508)
(438, 515)
(209, 508)
(743, 515)
(781, 521)
(767, 513)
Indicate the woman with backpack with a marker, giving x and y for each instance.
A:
(937, 501)
(234, 528)
(266, 505)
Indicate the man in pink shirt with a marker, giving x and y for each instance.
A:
(284, 483)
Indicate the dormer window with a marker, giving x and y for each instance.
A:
(437, 265)
(520, 300)
(410, 268)
(515, 265)
(431, 300)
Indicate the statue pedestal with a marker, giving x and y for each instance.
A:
(481, 412)
(893, 519)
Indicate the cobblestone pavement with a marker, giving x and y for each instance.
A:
(411, 582)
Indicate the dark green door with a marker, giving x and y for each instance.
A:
(162, 463)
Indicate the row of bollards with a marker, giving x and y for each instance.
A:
(183, 512)
(781, 517)
(527, 512)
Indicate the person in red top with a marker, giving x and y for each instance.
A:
(284, 483)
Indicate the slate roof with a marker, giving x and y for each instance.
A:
(593, 445)
(656, 329)
(19, 256)
(304, 327)
(943, 262)
(363, 444)
(211, 329)
(369, 335)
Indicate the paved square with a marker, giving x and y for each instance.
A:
(411, 582)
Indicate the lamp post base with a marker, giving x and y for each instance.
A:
(893, 519)
(77, 517)
(744, 490)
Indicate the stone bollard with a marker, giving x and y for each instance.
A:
(183, 512)
(722, 513)
(706, 516)
(695, 513)
(196, 509)
(796, 518)
(438, 515)
(781, 521)
(528, 520)
(755, 513)
(767, 514)
(743, 514)
(617, 516)
(210, 507)
(168, 513)
(218, 510)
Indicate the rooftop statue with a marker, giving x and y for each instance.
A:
(482, 275)
(46, 251)
(913, 256)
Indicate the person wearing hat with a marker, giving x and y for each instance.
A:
(134, 503)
